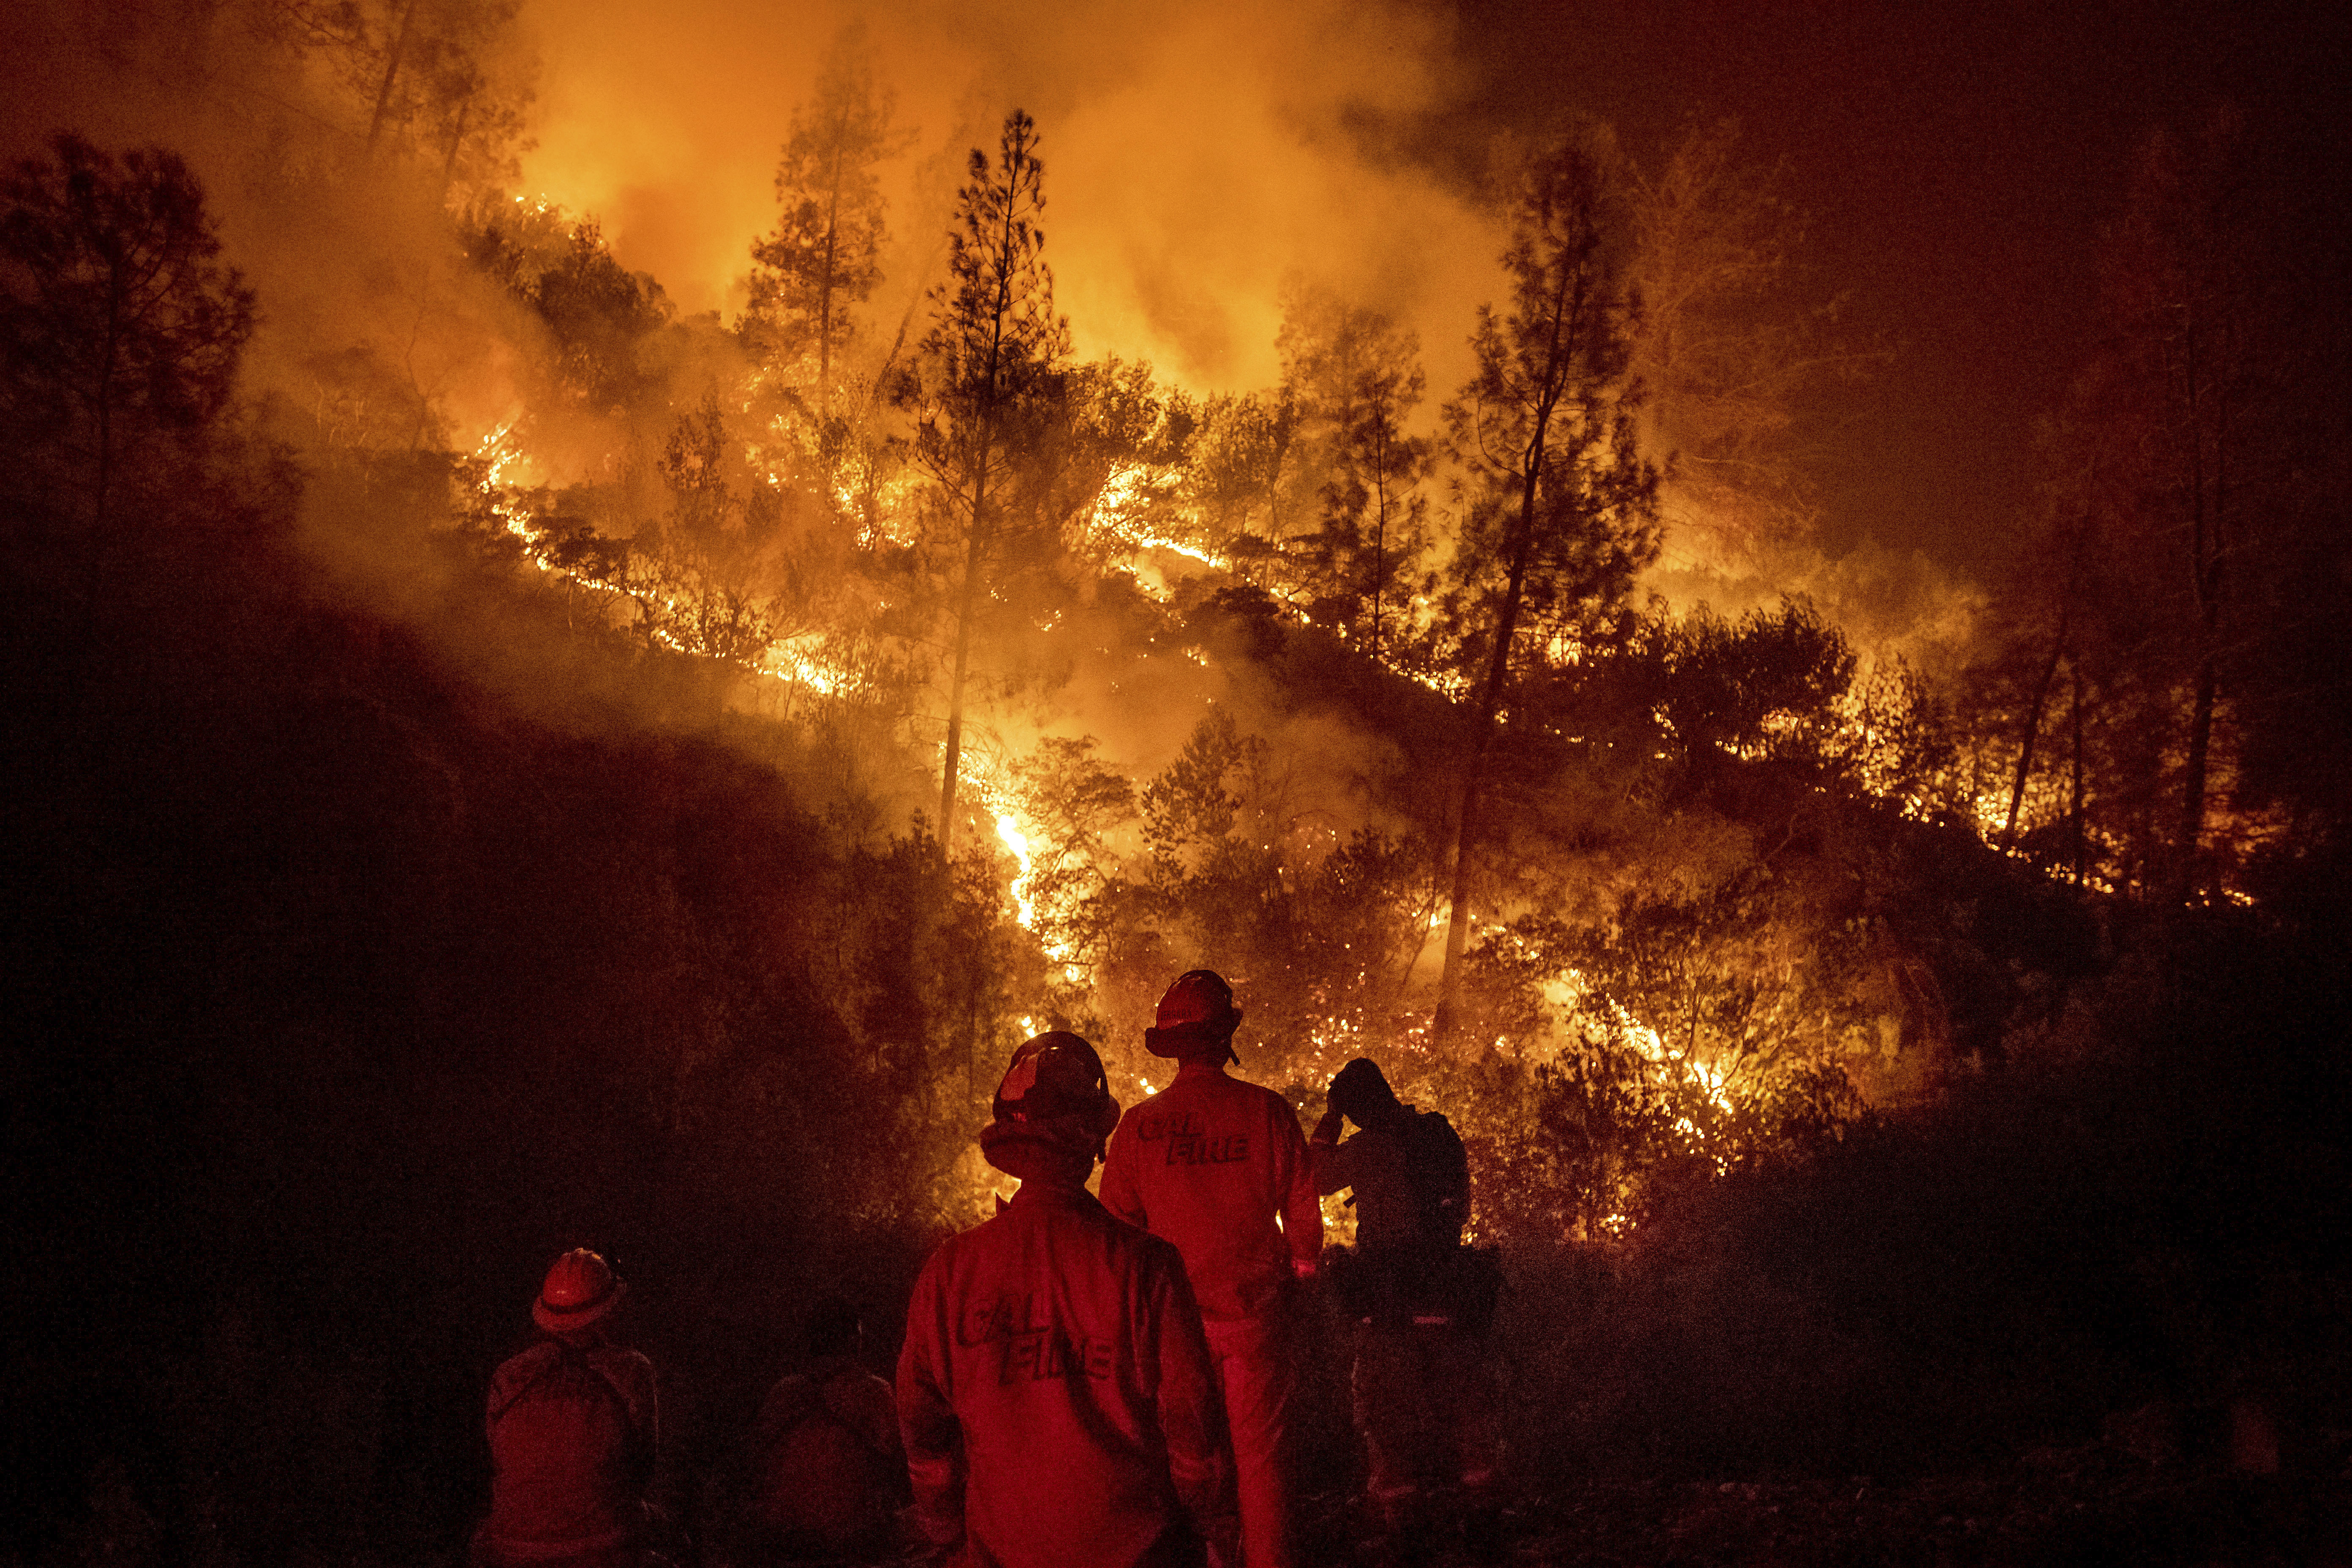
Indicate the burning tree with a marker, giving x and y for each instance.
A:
(994, 341)
(824, 255)
(1356, 379)
(600, 316)
(1561, 512)
(694, 572)
(1237, 458)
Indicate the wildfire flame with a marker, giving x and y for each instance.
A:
(794, 661)
(1008, 829)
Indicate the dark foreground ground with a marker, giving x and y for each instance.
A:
(2132, 1497)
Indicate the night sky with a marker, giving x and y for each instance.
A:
(1959, 162)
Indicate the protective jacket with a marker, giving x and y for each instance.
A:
(831, 1469)
(572, 1435)
(1208, 1163)
(1424, 1398)
(1055, 1393)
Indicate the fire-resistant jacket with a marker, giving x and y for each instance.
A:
(572, 1432)
(1208, 1163)
(1055, 1393)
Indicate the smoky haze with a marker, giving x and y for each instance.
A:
(1198, 159)
(1195, 157)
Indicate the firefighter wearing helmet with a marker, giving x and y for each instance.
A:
(1218, 1167)
(1423, 1304)
(1055, 1391)
(829, 1472)
(573, 1425)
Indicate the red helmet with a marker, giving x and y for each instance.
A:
(1054, 1093)
(581, 1289)
(1196, 1014)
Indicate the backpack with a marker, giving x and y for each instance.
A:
(1439, 1169)
(821, 1477)
(570, 1457)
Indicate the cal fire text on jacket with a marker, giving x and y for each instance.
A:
(1034, 1347)
(1190, 1142)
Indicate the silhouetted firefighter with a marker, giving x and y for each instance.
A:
(573, 1426)
(1421, 1304)
(1209, 1163)
(1055, 1391)
(829, 1470)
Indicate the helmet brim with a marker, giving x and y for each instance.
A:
(1204, 1038)
(560, 1321)
(1023, 1149)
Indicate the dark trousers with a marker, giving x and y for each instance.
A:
(1425, 1407)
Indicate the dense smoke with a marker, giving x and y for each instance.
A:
(1197, 155)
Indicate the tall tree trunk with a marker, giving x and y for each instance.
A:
(972, 565)
(390, 75)
(2033, 730)
(1490, 697)
(2193, 782)
(456, 140)
(975, 556)
(1458, 927)
(2206, 528)
(825, 290)
(2075, 803)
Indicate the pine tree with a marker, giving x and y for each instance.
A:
(1235, 464)
(1355, 378)
(994, 349)
(824, 255)
(1560, 511)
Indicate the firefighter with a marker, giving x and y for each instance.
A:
(1425, 1399)
(573, 1425)
(1218, 1167)
(829, 1472)
(1055, 1393)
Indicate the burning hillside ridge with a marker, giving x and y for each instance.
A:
(508, 756)
(1360, 687)
(1110, 553)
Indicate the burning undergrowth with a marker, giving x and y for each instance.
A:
(1199, 732)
